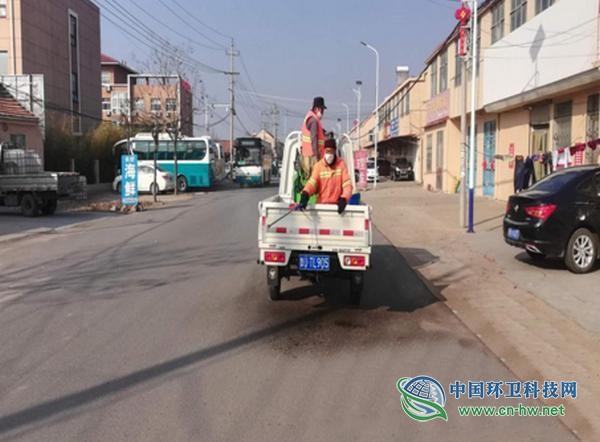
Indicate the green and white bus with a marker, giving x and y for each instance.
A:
(200, 162)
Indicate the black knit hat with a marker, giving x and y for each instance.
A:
(319, 102)
(330, 143)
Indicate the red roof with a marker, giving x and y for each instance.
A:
(106, 59)
(11, 109)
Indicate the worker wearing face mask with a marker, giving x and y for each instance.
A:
(330, 179)
(313, 136)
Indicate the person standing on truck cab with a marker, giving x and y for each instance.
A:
(330, 178)
(313, 136)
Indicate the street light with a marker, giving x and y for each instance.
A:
(347, 117)
(358, 97)
(376, 101)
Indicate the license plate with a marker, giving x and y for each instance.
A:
(315, 263)
(514, 234)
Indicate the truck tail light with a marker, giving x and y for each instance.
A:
(354, 261)
(275, 257)
(303, 231)
(542, 211)
(324, 232)
(367, 223)
(280, 230)
(263, 220)
(348, 233)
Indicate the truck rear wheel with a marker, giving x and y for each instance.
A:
(274, 283)
(49, 206)
(29, 205)
(356, 287)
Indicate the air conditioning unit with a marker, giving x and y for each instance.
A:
(108, 87)
(169, 114)
(109, 113)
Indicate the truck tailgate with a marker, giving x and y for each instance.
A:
(319, 227)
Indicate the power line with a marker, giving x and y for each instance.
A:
(194, 63)
(201, 22)
(175, 31)
(145, 32)
(162, 2)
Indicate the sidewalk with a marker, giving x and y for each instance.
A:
(539, 319)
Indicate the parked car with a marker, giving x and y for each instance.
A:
(164, 180)
(371, 172)
(558, 217)
(384, 168)
(402, 169)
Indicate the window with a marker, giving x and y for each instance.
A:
(105, 104)
(458, 64)
(429, 153)
(106, 77)
(541, 5)
(479, 51)
(3, 62)
(434, 77)
(592, 126)
(593, 113)
(18, 140)
(140, 105)
(2, 8)
(73, 30)
(407, 102)
(518, 13)
(498, 22)
(155, 105)
(119, 102)
(588, 188)
(443, 72)
(75, 87)
(562, 117)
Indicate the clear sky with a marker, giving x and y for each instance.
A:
(294, 49)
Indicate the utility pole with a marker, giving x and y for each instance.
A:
(155, 136)
(463, 146)
(463, 15)
(275, 114)
(358, 97)
(232, 53)
(474, 57)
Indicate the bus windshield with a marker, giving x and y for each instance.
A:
(248, 156)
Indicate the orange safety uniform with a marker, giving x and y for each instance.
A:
(307, 150)
(331, 182)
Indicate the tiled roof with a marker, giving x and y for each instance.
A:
(106, 59)
(10, 107)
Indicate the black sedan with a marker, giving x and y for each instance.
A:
(558, 217)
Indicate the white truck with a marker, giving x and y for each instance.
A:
(24, 183)
(315, 242)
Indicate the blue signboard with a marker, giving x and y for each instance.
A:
(394, 127)
(129, 180)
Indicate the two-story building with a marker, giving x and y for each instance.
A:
(144, 97)
(537, 93)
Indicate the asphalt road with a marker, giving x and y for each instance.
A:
(157, 326)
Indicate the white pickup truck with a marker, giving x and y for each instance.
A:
(315, 242)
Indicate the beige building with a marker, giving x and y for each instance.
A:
(59, 39)
(537, 91)
(147, 98)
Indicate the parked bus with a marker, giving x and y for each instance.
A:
(200, 160)
(253, 161)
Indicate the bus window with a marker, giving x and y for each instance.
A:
(197, 151)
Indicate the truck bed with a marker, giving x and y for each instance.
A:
(318, 228)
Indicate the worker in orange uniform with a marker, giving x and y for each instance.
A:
(313, 136)
(330, 178)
